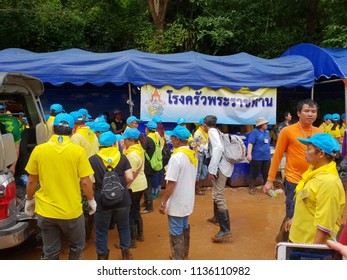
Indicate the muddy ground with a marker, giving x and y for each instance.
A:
(255, 221)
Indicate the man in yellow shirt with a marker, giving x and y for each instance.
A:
(54, 110)
(83, 135)
(201, 138)
(60, 167)
(320, 197)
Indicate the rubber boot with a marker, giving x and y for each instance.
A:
(224, 223)
(214, 219)
(104, 257)
(139, 233)
(76, 255)
(251, 189)
(126, 254)
(177, 246)
(186, 234)
(133, 230)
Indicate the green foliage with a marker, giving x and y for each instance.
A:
(264, 28)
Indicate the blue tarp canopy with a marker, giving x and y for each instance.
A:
(326, 62)
(192, 69)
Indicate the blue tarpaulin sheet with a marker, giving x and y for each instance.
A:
(192, 69)
(327, 62)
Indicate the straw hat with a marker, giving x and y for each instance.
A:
(260, 121)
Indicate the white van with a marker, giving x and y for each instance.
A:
(20, 94)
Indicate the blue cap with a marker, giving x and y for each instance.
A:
(343, 116)
(152, 125)
(103, 116)
(77, 116)
(2, 107)
(323, 141)
(327, 117)
(131, 133)
(101, 127)
(335, 117)
(108, 138)
(132, 118)
(100, 119)
(180, 132)
(85, 113)
(201, 121)
(21, 114)
(91, 125)
(57, 108)
(64, 119)
(157, 119)
(181, 120)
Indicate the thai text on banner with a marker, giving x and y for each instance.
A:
(231, 107)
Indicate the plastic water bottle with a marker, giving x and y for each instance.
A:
(272, 193)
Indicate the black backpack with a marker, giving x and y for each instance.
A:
(112, 190)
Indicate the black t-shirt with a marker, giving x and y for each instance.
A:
(119, 124)
(122, 166)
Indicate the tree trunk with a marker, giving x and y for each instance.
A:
(158, 12)
(312, 18)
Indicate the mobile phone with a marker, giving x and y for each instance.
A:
(296, 251)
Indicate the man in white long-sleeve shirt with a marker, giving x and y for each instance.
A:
(219, 170)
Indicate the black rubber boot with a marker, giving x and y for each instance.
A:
(186, 234)
(139, 233)
(104, 257)
(214, 219)
(177, 246)
(224, 223)
(126, 255)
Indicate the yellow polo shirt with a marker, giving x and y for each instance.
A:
(86, 138)
(60, 165)
(319, 205)
(140, 183)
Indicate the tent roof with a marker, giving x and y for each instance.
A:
(326, 62)
(178, 70)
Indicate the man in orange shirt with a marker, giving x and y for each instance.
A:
(296, 164)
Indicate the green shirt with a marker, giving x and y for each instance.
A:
(14, 126)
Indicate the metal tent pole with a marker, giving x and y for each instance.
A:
(312, 92)
(130, 101)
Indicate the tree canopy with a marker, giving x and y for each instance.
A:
(264, 28)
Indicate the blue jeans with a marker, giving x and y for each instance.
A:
(177, 224)
(202, 168)
(289, 190)
(52, 229)
(102, 221)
